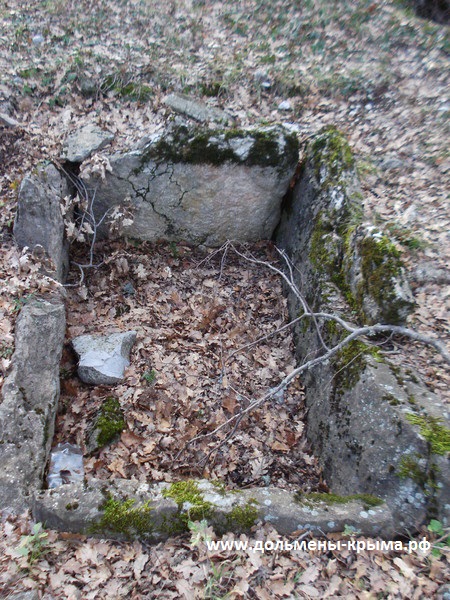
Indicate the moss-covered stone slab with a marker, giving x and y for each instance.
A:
(373, 271)
(358, 404)
(123, 509)
(108, 424)
(29, 402)
(323, 230)
(200, 185)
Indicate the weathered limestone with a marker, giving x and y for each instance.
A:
(128, 509)
(322, 230)
(103, 359)
(201, 186)
(39, 219)
(360, 407)
(81, 143)
(196, 110)
(29, 400)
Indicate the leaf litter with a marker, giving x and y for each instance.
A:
(192, 309)
(373, 69)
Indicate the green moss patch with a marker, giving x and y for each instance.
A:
(122, 516)
(332, 155)
(409, 468)
(351, 361)
(380, 264)
(432, 429)
(367, 500)
(243, 517)
(190, 501)
(110, 421)
(204, 146)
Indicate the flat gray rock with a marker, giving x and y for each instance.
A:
(80, 144)
(195, 109)
(103, 360)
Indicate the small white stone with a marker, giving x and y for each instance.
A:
(285, 105)
(38, 39)
(363, 514)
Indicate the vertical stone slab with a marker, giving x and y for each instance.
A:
(361, 410)
(200, 185)
(29, 401)
(39, 220)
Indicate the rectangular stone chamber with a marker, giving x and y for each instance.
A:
(360, 407)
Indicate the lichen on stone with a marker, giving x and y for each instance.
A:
(424, 472)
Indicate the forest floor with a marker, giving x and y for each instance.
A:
(373, 69)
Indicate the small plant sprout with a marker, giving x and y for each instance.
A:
(350, 531)
(443, 537)
(200, 532)
(32, 546)
(149, 376)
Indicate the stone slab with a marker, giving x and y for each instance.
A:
(103, 359)
(200, 186)
(29, 400)
(81, 508)
(39, 221)
(196, 110)
(359, 406)
(81, 143)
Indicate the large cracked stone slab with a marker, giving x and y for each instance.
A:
(39, 221)
(364, 414)
(155, 511)
(81, 143)
(29, 400)
(201, 186)
(103, 359)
